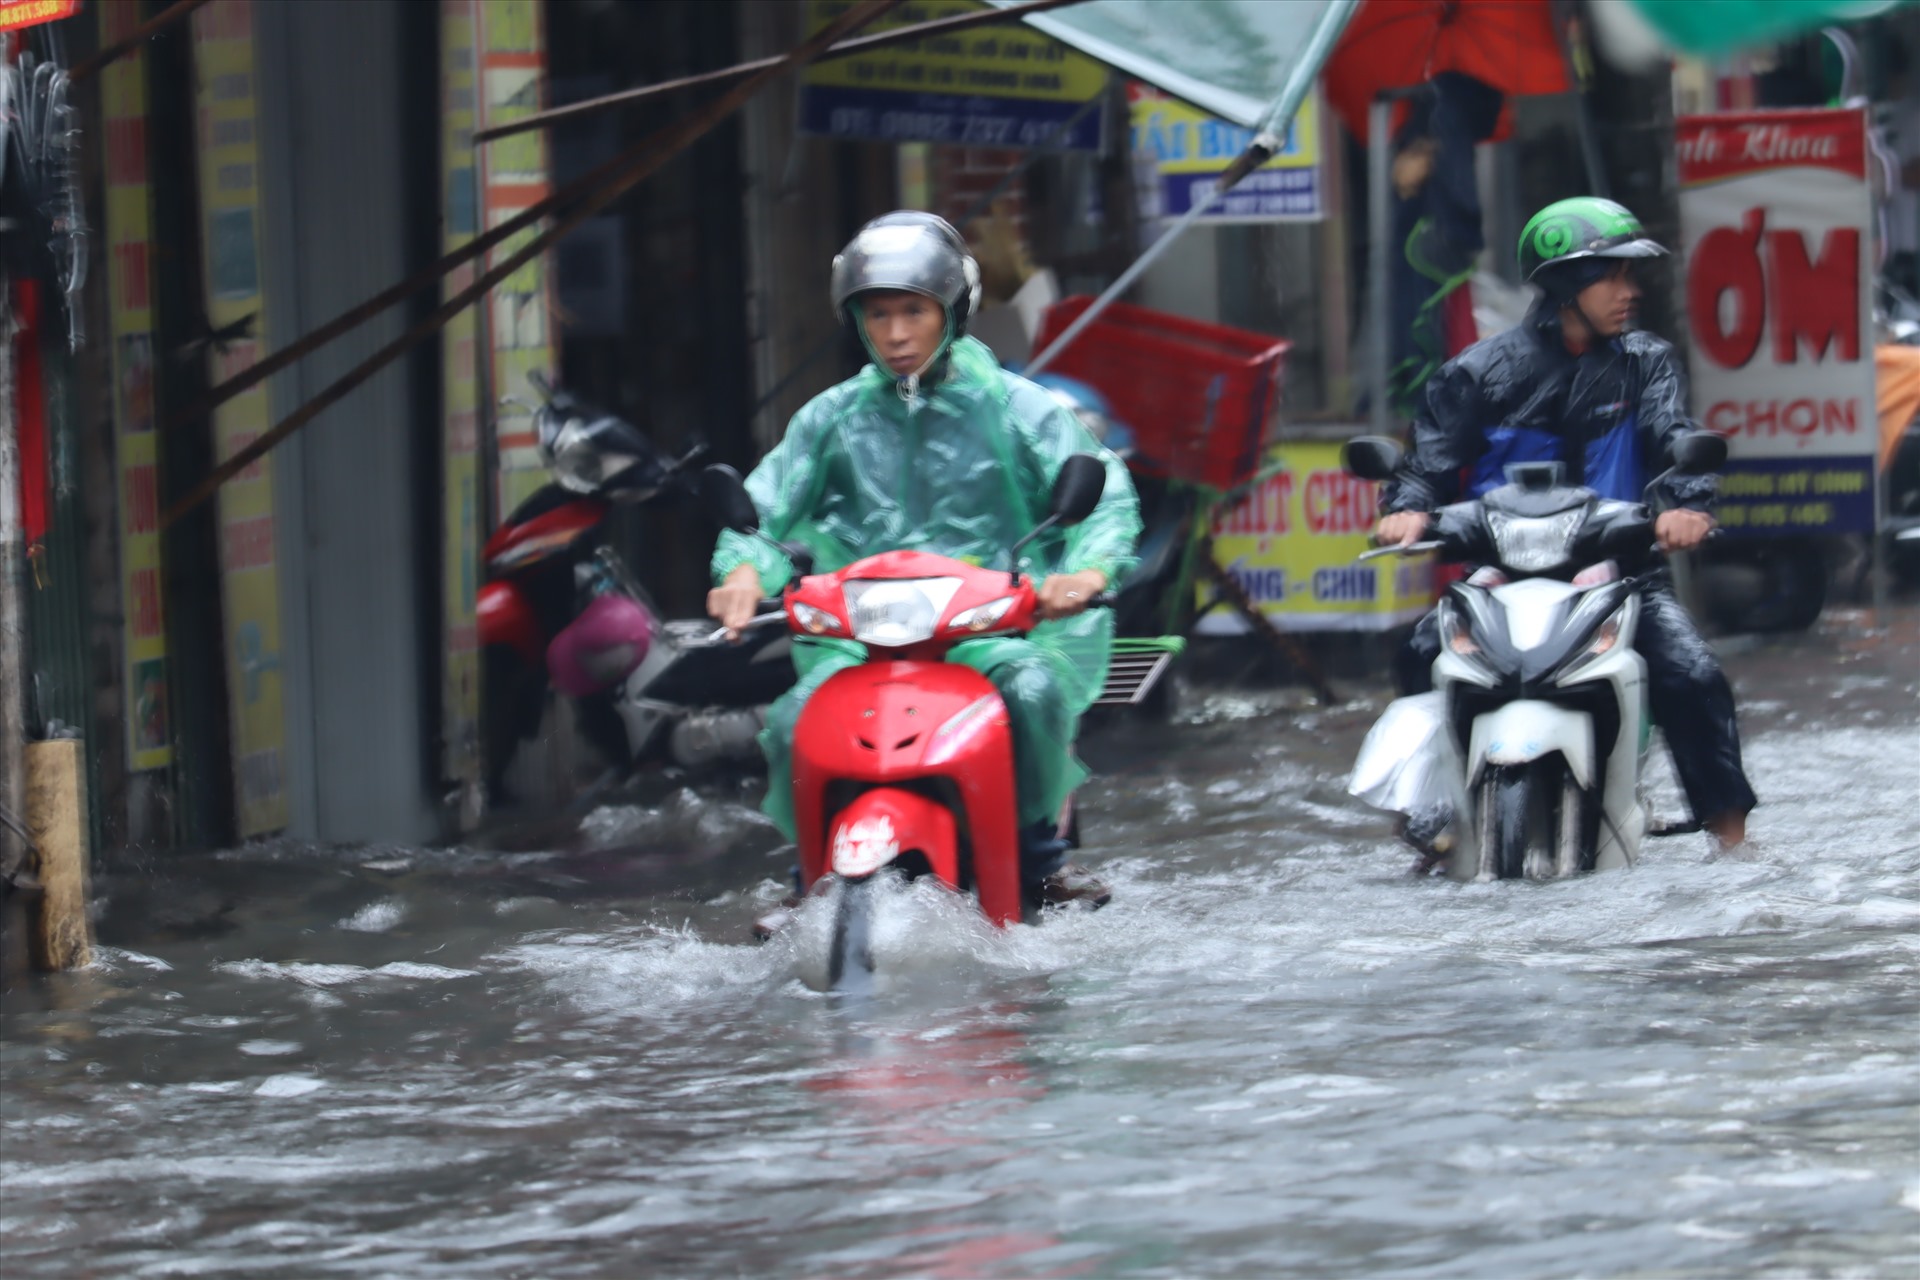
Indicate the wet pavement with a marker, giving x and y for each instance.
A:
(1274, 1055)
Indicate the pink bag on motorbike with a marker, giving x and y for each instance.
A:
(601, 647)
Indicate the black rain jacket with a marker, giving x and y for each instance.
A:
(1521, 395)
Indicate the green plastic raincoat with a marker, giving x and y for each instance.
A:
(964, 469)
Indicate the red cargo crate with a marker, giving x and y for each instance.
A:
(1199, 397)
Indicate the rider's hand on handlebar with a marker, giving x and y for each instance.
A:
(1682, 529)
(1401, 529)
(734, 602)
(1064, 594)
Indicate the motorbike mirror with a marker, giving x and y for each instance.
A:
(1699, 452)
(1077, 489)
(725, 495)
(1371, 457)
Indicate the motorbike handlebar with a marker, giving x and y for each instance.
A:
(1398, 548)
(719, 634)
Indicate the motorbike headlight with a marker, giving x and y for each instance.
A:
(891, 612)
(1609, 633)
(1534, 544)
(815, 622)
(578, 464)
(981, 617)
(1609, 636)
(1455, 635)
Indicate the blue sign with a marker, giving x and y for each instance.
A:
(1265, 195)
(1768, 497)
(889, 115)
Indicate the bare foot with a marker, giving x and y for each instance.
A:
(1729, 829)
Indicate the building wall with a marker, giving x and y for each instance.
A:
(805, 197)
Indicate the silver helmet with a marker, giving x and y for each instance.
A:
(911, 251)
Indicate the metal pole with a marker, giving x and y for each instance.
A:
(1267, 141)
(1379, 257)
(13, 613)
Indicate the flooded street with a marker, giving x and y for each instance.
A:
(1275, 1054)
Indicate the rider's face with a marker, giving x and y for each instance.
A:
(1608, 304)
(904, 328)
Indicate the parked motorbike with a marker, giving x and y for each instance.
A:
(1899, 322)
(1526, 759)
(560, 609)
(903, 765)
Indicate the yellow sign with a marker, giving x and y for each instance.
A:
(460, 406)
(129, 231)
(513, 60)
(1001, 85)
(1187, 149)
(1292, 544)
(230, 207)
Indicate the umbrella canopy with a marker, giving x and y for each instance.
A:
(1509, 45)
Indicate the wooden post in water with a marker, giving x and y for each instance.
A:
(60, 937)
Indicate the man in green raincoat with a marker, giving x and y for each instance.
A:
(934, 447)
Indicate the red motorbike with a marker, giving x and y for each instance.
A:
(560, 609)
(904, 764)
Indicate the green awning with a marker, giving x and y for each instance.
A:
(1231, 58)
(1703, 27)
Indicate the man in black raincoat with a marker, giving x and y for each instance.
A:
(1575, 382)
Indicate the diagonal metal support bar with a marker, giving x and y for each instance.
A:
(668, 143)
(626, 97)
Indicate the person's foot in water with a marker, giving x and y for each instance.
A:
(1074, 883)
(1053, 881)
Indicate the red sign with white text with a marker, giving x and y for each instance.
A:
(1775, 212)
(15, 14)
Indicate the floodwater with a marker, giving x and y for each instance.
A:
(1275, 1054)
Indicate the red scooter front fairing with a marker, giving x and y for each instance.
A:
(907, 753)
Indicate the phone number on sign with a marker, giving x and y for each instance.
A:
(940, 126)
(25, 13)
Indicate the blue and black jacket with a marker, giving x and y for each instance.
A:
(1520, 396)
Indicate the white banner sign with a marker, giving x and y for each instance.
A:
(1775, 211)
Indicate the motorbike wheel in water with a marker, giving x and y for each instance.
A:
(1517, 827)
(850, 955)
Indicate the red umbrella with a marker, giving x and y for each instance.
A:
(1395, 44)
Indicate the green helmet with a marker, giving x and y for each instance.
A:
(1583, 227)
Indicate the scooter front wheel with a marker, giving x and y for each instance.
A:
(850, 957)
(1514, 821)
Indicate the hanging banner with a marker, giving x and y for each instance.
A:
(229, 152)
(129, 234)
(460, 405)
(514, 175)
(1004, 85)
(1291, 545)
(1775, 213)
(15, 14)
(1181, 151)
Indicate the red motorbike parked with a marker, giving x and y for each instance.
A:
(559, 608)
(904, 764)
